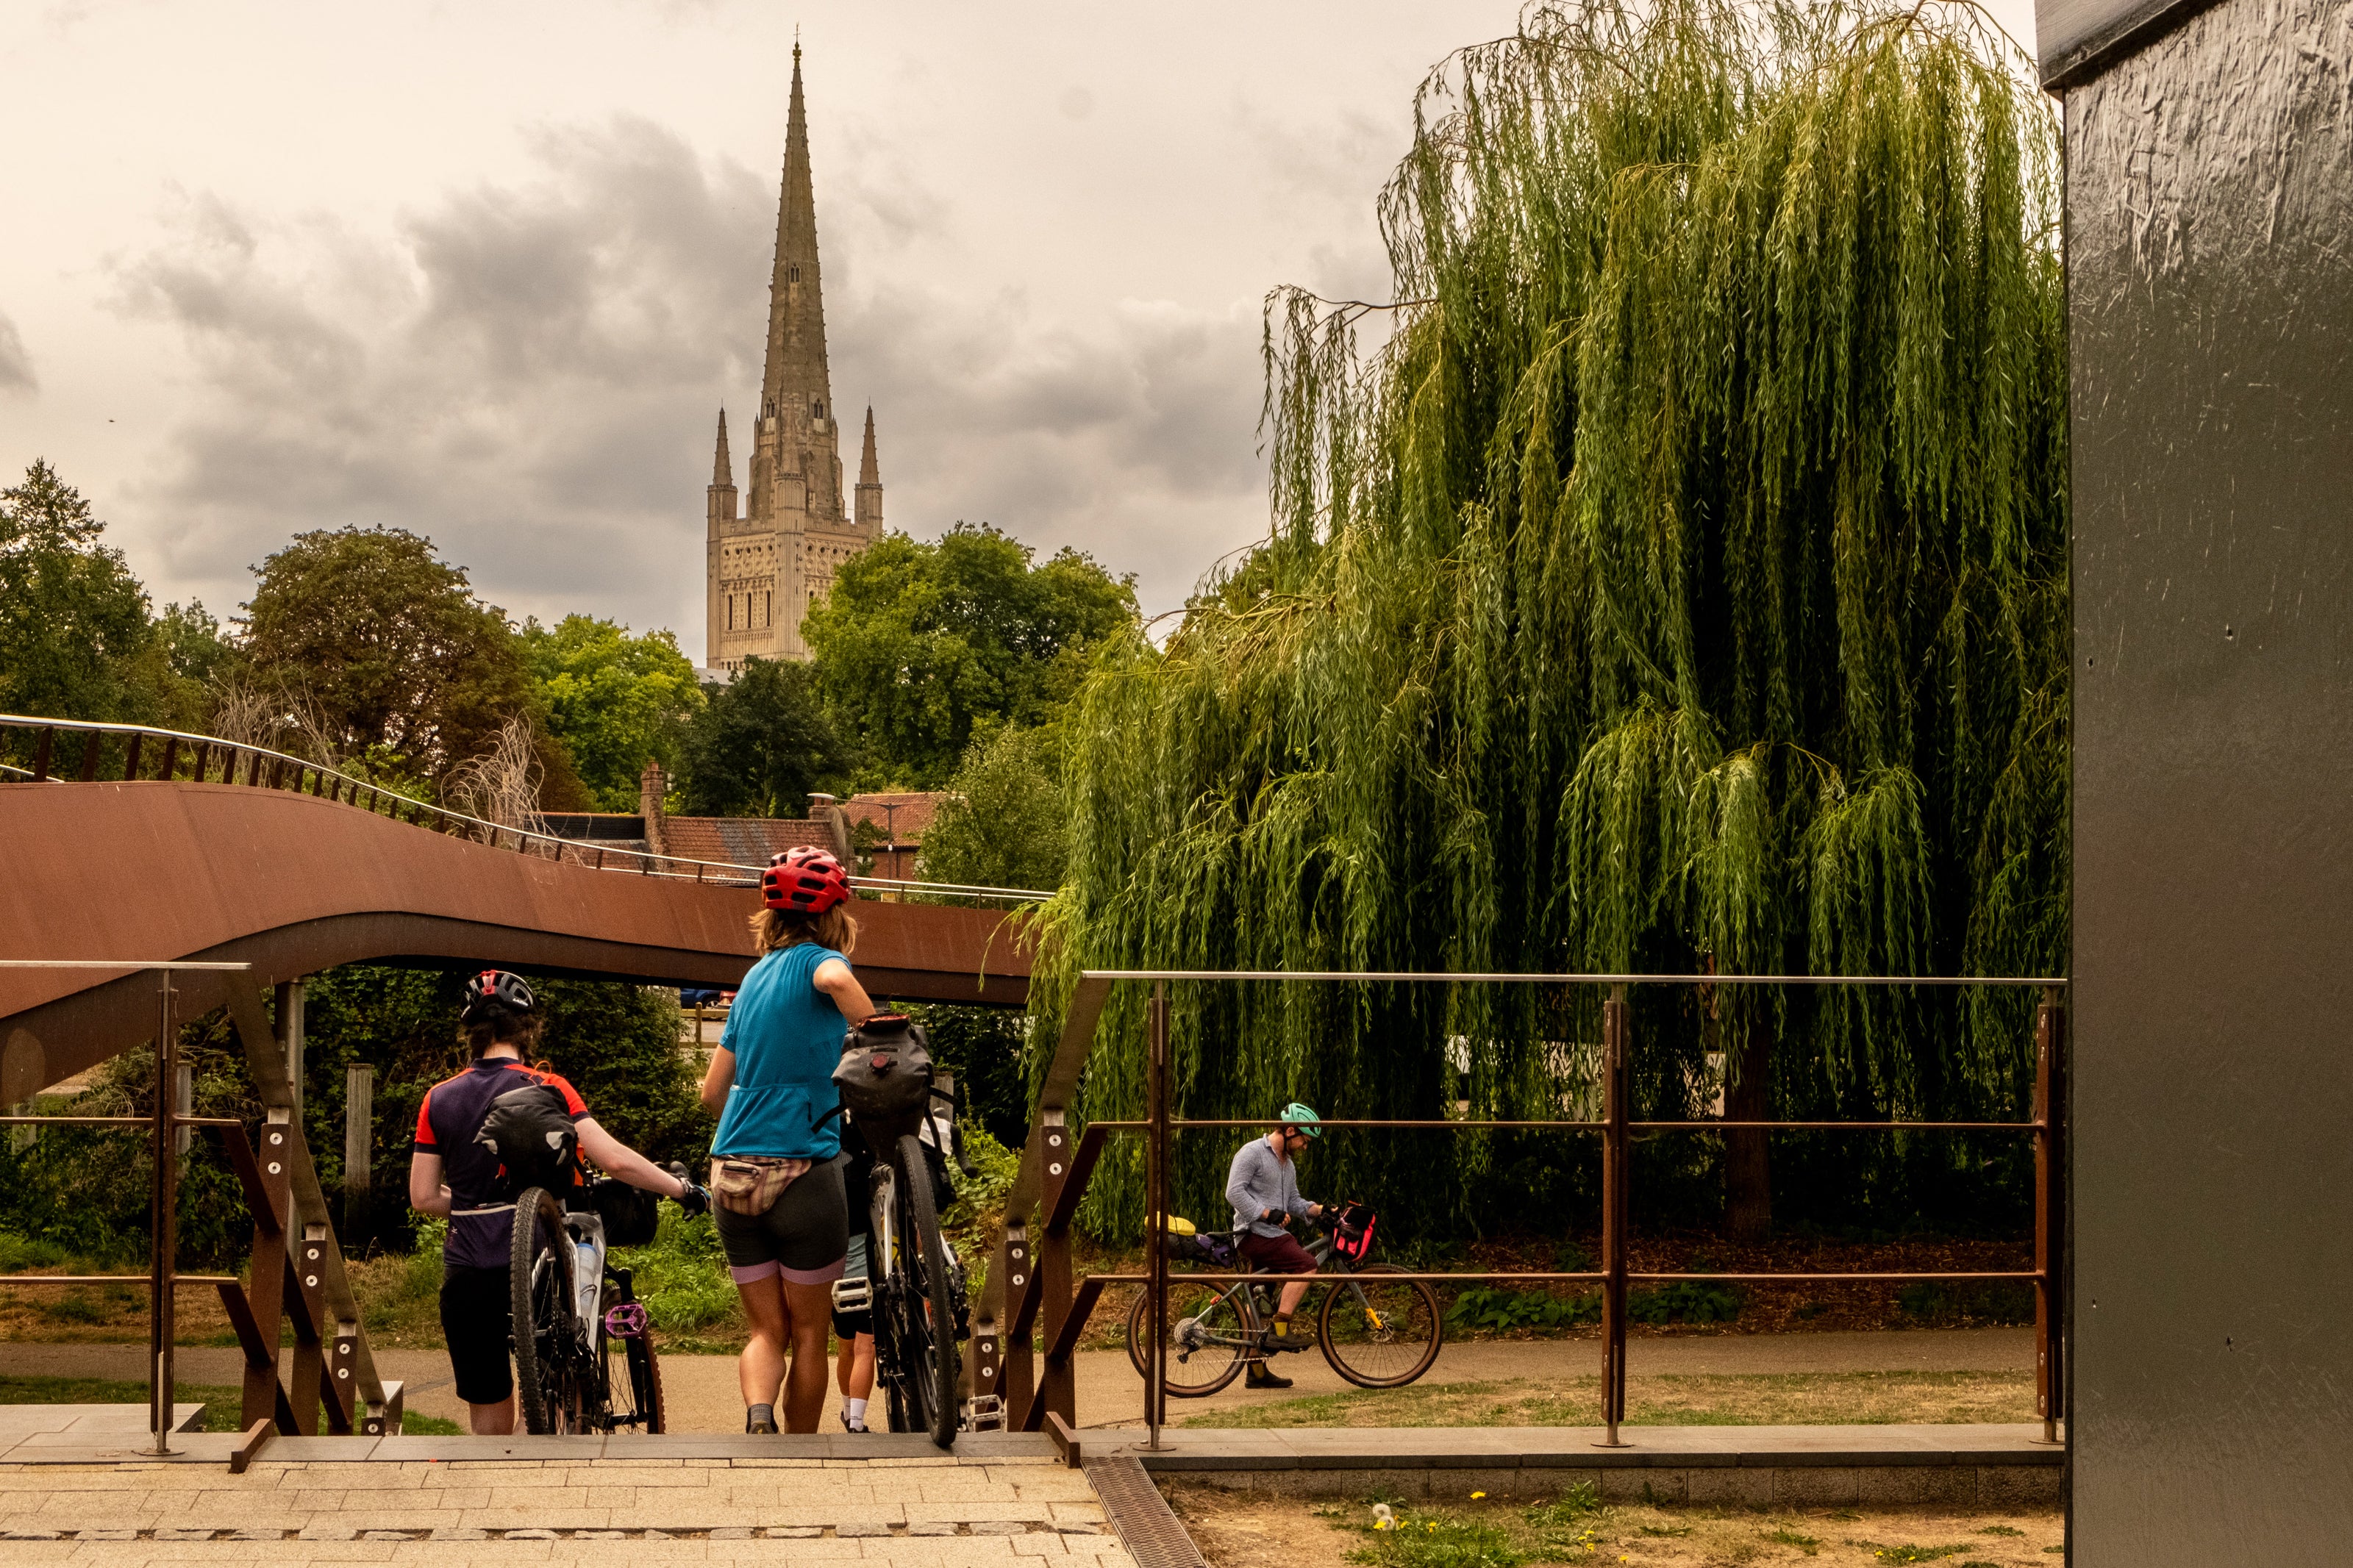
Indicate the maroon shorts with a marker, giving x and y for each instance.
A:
(1277, 1254)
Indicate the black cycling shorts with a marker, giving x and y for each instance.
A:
(476, 1304)
(803, 1236)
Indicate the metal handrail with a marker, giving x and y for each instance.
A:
(636, 862)
(1060, 1158)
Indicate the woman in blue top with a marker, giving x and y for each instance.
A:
(776, 1160)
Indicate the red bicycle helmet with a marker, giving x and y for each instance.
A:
(805, 881)
(497, 985)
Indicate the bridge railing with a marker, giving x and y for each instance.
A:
(1031, 1287)
(38, 750)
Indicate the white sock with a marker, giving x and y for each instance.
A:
(856, 1410)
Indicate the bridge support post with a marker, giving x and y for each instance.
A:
(263, 1398)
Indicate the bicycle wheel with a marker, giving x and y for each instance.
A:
(645, 1381)
(546, 1341)
(934, 1366)
(1207, 1331)
(1379, 1334)
(892, 1332)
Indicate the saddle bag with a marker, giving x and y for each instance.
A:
(530, 1130)
(884, 1075)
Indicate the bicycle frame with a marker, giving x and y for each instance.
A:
(1249, 1296)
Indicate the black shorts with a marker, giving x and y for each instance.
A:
(476, 1305)
(803, 1236)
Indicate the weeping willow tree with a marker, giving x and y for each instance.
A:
(1678, 585)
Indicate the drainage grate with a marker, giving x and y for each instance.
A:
(1140, 1515)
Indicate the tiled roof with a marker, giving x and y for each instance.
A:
(909, 818)
(739, 840)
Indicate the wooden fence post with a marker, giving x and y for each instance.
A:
(359, 1141)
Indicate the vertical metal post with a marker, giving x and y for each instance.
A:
(183, 1100)
(89, 755)
(2050, 1210)
(165, 1247)
(1155, 1390)
(290, 1037)
(130, 754)
(1614, 1162)
(42, 753)
(171, 759)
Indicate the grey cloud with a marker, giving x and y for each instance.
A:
(528, 372)
(16, 364)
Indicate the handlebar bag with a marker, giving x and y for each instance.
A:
(631, 1214)
(1352, 1231)
(530, 1130)
(885, 1071)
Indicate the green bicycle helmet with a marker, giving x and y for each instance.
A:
(1303, 1117)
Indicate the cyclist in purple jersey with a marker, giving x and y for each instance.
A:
(453, 1176)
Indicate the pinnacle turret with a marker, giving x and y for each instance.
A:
(869, 509)
(722, 470)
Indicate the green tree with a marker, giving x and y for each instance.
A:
(73, 618)
(1005, 823)
(762, 742)
(918, 644)
(389, 647)
(1681, 585)
(615, 700)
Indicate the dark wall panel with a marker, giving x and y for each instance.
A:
(2210, 236)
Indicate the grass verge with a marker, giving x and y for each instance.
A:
(1255, 1529)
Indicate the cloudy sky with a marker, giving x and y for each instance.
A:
(489, 271)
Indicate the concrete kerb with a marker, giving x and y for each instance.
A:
(1760, 1466)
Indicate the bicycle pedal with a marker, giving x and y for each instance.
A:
(854, 1293)
(984, 1412)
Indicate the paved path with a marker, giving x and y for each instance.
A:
(936, 1513)
(704, 1396)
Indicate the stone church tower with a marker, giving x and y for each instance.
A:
(768, 566)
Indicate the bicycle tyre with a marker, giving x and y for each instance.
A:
(1415, 1293)
(540, 1323)
(645, 1381)
(936, 1381)
(1182, 1294)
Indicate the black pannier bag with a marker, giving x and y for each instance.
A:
(884, 1075)
(530, 1130)
(631, 1214)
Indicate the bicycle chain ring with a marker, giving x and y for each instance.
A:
(625, 1319)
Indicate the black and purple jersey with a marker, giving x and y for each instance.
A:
(480, 1228)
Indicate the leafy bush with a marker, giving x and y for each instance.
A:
(1507, 1310)
(682, 1277)
(1969, 1302)
(1685, 1302)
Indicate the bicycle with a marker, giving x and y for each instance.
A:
(915, 1287)
(1375, 1334)
(583, 1352)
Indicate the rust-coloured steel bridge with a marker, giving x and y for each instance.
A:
(119, 843)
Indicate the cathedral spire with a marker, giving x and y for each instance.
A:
(796, 386)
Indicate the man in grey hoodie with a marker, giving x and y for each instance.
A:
(1263, 1187)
